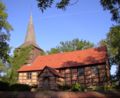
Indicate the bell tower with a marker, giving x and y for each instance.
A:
(30, 41)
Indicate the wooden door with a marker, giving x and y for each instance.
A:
(46, 83)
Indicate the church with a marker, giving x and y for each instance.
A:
(86, 67)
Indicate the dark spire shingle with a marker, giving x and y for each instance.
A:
(30, 36)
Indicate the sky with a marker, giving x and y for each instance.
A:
(85, 20)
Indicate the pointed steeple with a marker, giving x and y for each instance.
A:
(30, 36)
(31, 41)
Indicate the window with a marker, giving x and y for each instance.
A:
(80, 71)
(95, 69)
(29, 75)
(74, 70)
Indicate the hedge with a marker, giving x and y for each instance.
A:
(4, 86)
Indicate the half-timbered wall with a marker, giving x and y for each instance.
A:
(89, 75)
(28, 78)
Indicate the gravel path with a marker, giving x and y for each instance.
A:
(52, 94)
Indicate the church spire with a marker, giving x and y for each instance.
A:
(30, 36)
(31, 41)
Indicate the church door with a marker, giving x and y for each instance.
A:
(46, 83)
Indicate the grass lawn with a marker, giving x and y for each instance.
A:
(53, 94)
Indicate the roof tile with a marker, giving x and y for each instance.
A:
(68, 59)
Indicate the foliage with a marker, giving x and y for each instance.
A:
(53, 51)
(64, 87)
(112, 42)
(113, 39)
(111, 5)
(3, 69)
(20, 87)
(77, 87)
(20, 58)
(117, 87)
(114, 7)
(2, 66)
(106, 87)
(98, 88)
(44, 4)
(4, 86)
(67, 46)
(5, 28)
(42, 53)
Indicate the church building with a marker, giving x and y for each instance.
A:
(86, 67)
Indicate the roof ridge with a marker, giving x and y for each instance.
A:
(73, 51)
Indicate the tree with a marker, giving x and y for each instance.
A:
(113, 44)
(53, 51)
(20, 58)
(113, 40)
(114, 7)
(67, 46)
(111, 5)
(2, 67)
(5, 28)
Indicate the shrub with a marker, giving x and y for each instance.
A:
(34, 88)
(92, 88)
(117, 87)
(77, 87)
(101, 88)
(4, 86)
(64, 87)
(108, 87)
(20, 87)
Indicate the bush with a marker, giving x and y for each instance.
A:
(34, 88)
(101, 88)
(64, 87)
(108, 87)
(4, 86)
(92, 88)
(20, 87)
(77, 87)
(117, 87)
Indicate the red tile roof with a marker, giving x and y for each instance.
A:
(68, 59)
